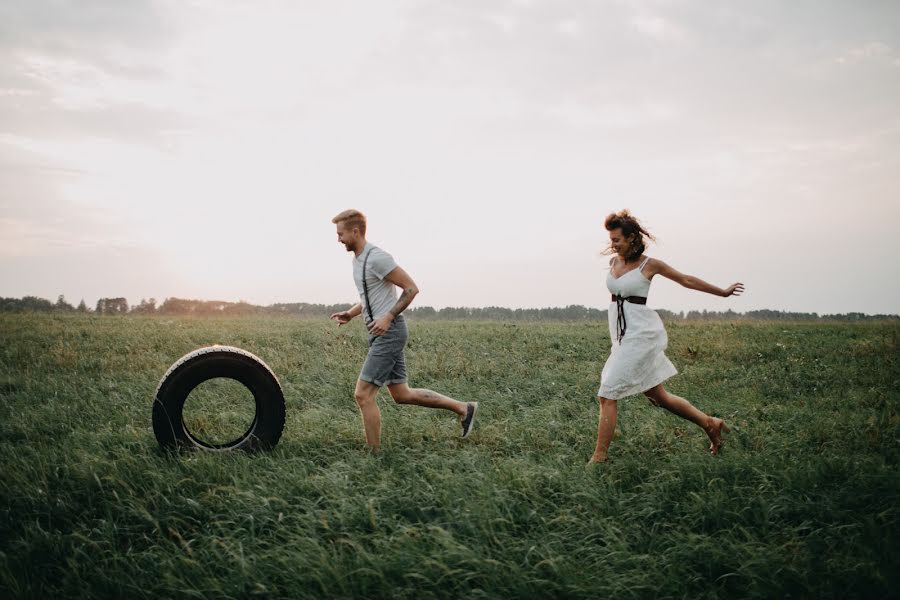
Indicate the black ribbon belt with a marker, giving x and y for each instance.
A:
(620, 312)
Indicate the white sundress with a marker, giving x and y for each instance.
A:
(638, 362)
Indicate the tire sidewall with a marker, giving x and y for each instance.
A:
(219, 362)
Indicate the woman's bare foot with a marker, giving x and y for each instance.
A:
(714, 431)
(596, 460)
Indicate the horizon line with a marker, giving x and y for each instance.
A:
(413, 308)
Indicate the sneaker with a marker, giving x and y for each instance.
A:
(469, 419)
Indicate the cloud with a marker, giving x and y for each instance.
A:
(619, 115)
(658, 28)
(24, 238)
(505, 23)
(20, 237)
(91, 272)
(83, 27)
(569, 27)
(876, 52)
(92, 68)
(173, 126)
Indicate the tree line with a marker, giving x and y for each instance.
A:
(574, 312)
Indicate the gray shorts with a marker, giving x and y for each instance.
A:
(386, 363)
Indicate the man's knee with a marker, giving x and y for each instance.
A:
(402, 394)
(365, 397)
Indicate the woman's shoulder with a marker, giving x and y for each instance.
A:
(653, 265)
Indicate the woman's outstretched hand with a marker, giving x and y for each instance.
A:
(735, 289)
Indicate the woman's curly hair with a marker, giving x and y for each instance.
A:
(630, 226)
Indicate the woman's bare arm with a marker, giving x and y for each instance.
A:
(691, 282)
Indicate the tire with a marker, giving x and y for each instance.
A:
(211, 362)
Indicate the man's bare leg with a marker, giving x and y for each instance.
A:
(403, 394)
(365, 395)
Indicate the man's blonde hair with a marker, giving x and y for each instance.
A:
(351, 218)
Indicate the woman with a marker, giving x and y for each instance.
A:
(637, 362)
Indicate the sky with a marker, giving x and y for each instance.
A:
(199, 149)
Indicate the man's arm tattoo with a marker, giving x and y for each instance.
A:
(403, 301)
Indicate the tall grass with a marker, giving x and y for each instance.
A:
(802, 502)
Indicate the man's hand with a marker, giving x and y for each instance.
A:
(380, 325)
(342, 317)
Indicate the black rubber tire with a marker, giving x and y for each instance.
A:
(207, 363)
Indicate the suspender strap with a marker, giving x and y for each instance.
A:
(366, 286)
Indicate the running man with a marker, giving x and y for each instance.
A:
(377, 276)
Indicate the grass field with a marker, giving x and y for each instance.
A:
(803, 502)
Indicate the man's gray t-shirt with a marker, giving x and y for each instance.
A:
(382, 294)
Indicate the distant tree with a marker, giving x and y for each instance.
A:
(241, 308)
(10, 305)
(426, 312)
(112, 306)
(574, 312)
(146, 307)
(62, 305)
(35, 304)
(174, 306)
(667, 315)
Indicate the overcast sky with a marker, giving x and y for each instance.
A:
(198, 149)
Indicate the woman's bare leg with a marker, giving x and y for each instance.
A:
(606, 425)
(713, 426)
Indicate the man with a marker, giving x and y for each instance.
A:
(377, 276)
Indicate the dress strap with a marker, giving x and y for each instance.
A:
(641, 268)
